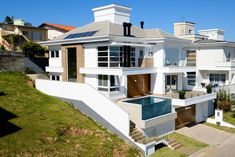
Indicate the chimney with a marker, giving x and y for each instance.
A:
(129, 29)
(124, 28)
(142, 24)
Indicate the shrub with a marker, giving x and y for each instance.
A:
(2, 47)
(223, 100)
(182, 94)
(32, 49)
(209, 88)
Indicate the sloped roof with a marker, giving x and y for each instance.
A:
(59, 26)
(111, 29)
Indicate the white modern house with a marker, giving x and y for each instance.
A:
(126, 77)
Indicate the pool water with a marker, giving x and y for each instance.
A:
(152, 106)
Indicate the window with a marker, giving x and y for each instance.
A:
(217, 78)
(150, 54)
(37, 36)
(115, 54)
(191, 58)
(191, 76)
(55, 77)
(103, 56)
(103, 82)
(106, 82)
(141, 54)
(54, 54)
(25, 33)
(132, 57)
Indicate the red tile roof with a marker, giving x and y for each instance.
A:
(59, 26)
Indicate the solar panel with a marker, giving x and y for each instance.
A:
(79, 35)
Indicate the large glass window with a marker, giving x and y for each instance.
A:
(191, 76)
(106, 82)
(115, 54)
(216, 78)
(103, 56)
(72, 64)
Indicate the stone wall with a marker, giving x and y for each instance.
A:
(17, 62)
(11, 62)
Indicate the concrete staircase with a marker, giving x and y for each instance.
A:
(139, 137)
(173, 144)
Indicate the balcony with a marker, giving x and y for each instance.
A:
(118, 71)
(54, 69)
(191, 97)
(226, 64)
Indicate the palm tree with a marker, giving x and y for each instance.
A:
(9, 20)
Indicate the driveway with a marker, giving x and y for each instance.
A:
(220, 143)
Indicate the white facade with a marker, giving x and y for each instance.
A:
(214, 34)
(114, 13)
(53, 33)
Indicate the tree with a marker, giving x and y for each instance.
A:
(9, 20)
(14, 40)
(31, 49)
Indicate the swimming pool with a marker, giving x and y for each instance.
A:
(152, 106)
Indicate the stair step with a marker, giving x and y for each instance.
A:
(138, 137)
(173, 144)
(171, 141)
(136, 134)
(177, 146)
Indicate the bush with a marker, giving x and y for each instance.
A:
(182, 94)
(223, 100)
(209, 88)
(32, 49)
(2, 47)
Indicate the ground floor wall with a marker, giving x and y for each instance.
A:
(160, 129)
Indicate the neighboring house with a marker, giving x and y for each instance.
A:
(55, 30)
(122, 61)
(29, 32)
(213, 57)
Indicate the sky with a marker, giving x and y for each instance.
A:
(207, 14)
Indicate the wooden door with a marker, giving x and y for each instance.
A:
(185, 116)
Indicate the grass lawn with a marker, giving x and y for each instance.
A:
(186, 142)
(228, 117)
(231, 130)
(42, 125)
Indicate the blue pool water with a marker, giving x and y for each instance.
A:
(152, 106)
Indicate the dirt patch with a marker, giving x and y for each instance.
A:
(75, 131)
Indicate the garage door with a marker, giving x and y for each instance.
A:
(138, 85)
(185, 116)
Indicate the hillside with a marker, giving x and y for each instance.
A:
(34, 124)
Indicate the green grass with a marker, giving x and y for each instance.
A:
(228, 117)
(41, 119)
(186, 142)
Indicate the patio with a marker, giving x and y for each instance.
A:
(188, 94)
